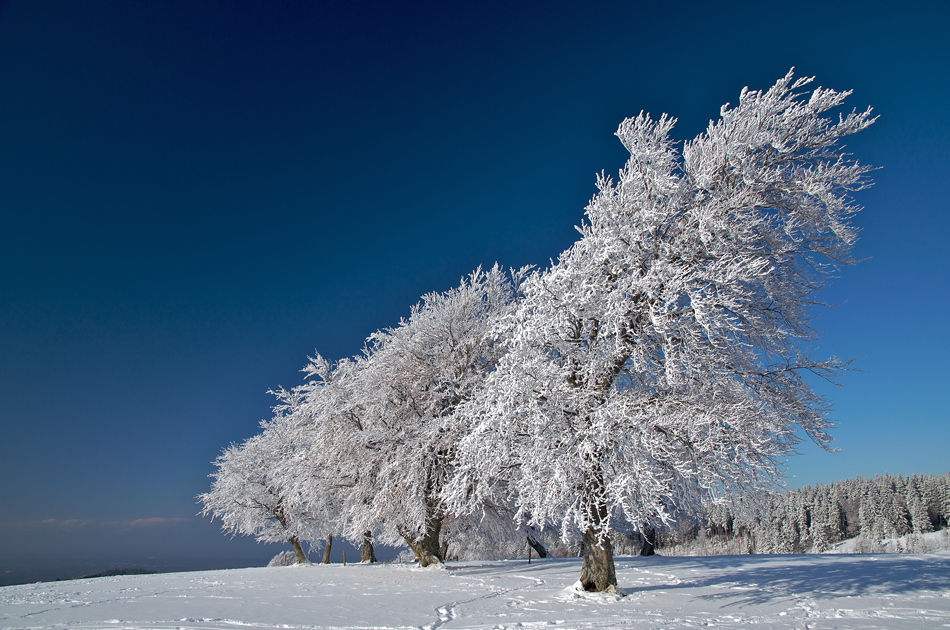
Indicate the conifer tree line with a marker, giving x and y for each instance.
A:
(661, 360)
(814, 519)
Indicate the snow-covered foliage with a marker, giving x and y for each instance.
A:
(659, 362)
(310, 487)
(661, 358)
(851, 515)
(253, 495)
(494, 534)
(383, 424)
(283, 559)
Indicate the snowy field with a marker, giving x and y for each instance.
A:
(892, 591)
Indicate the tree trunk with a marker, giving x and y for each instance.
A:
(366, 551)
(598, 573)
(298, 550)
(648, 535)
(326, 549)
(536, 544)
(426, 548)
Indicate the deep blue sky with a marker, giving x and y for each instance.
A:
(194, 196)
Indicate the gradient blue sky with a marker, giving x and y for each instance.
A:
(194, 196)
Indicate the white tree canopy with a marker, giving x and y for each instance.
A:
(252, 493)
(385, 421)
(661, 360)
(662, 356)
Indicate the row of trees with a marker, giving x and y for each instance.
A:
(815, 519)
(659, 361)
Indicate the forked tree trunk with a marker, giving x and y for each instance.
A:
(366, 551)
(298, 550)
(426, 548)
(326, 549)
(598, 572)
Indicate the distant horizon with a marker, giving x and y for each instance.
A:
(202, 549)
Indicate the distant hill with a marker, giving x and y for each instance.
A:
(112, 572)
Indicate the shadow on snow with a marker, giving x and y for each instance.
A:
(774, 578)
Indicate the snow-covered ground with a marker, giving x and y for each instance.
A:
(892, 591)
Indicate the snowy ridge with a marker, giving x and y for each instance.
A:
(931, 542)
(754, 591)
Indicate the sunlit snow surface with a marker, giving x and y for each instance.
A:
(827, 591)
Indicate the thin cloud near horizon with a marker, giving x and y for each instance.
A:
(73, 523)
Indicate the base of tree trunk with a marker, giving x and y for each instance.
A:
(366, 551)
(598, 573)
(426, 548)
(326, 550)
(298, 550)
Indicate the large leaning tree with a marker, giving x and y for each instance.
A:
(663, 356)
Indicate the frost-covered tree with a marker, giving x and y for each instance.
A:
(311, 487)
(877, 508)
(251, 494)
(387, 425)
(917, 511)
(937, 497)
(663, 352)
(488, 535)
(827, 520)
(330, 470)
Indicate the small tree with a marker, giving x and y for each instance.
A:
(320, 474)
(385, 422)
(250, 494)
(662, 353)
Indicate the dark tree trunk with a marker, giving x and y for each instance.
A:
(648, 536)
(536, 545)
(426, 548)
(294, 542)
(598, 572)
(366, 551)
(326, 549)
(298, 550)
